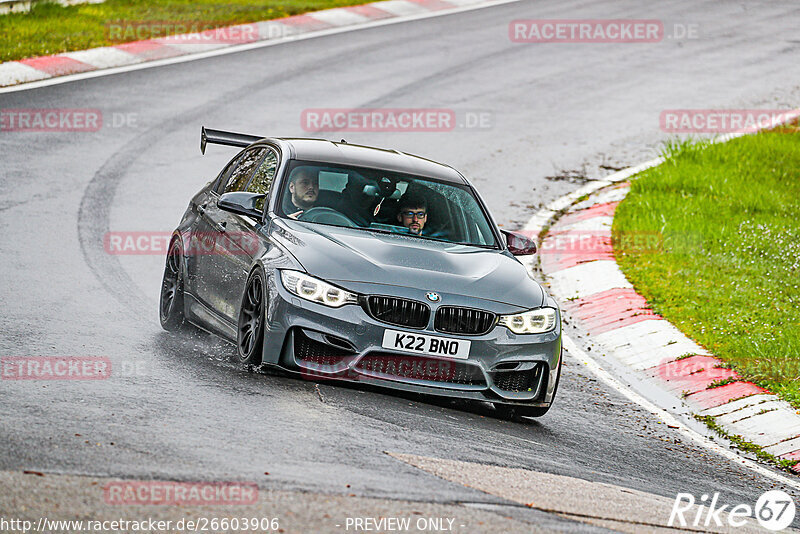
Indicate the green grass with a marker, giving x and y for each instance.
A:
(727, 269)
(50, 28)
(745, 445)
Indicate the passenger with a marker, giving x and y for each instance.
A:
(303, 192)
(413, 212)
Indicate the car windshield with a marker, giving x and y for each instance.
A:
(384, 201)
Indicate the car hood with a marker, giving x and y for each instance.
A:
(343, 255)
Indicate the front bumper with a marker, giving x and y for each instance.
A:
(345, 343)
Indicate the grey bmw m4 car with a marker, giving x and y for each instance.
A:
(346, 262)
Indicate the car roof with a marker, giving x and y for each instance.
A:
(343, 153)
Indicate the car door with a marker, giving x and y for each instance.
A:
(239, 239)
(223, 264)
(201, 241)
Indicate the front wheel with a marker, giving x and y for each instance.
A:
(250, 333)
(170, 308)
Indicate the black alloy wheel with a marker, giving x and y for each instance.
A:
(250, 336)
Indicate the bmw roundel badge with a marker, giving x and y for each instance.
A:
(433, 297)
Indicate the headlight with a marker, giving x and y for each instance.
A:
(536, 321)
(310, 288)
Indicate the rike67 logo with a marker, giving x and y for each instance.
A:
(774, 510)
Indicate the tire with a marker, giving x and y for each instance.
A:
(514, 412)
(170, 306)
(250, 331)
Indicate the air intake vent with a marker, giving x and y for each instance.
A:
(312, 351)
(388, 365)
(519, 381)
(454, 320)
(398, 311)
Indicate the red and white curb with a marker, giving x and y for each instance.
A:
(162, 49)
(592, 289)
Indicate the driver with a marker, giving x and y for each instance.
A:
(413, 212)
(303, 192)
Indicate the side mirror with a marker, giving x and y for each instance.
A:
(518, 244)
(241, 203)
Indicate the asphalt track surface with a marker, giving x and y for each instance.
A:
(177, 409)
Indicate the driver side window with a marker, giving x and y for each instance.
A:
(244, 168)
(261, 182)
(224, 176)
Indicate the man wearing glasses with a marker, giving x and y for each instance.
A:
(413, 212)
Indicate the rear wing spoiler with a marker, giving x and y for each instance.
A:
(219, 137)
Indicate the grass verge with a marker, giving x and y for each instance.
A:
(746, 446)
(726, 268)
(50, 28)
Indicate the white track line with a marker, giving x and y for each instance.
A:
(584, 358)
(249, 46)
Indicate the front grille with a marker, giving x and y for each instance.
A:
(313, 351)
(421, 368)
(455, 320)
(398, 311)
(516, 381)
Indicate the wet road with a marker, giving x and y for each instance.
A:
(175, 408)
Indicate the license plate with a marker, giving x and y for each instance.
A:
(422, 344)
